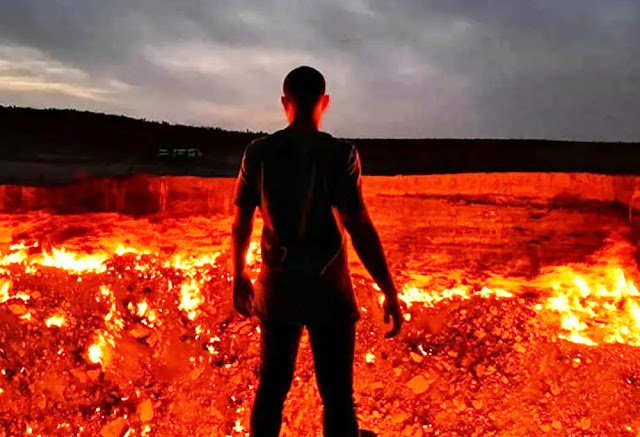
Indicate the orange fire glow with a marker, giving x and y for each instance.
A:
(140, 337)
(595, 303)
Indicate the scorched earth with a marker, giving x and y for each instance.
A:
(522, 319)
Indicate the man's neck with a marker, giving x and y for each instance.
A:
(302, 126)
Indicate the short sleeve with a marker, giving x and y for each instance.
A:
(246, 189)
(349, 189)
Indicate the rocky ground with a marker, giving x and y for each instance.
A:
(133, 357)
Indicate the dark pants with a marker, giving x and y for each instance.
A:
(333, 348)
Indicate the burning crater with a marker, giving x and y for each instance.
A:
(523, 311)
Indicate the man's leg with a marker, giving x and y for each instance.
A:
(333, 349)
(279, 347)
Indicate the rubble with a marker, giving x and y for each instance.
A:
(483, 354)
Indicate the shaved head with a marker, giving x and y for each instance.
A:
(304, 85)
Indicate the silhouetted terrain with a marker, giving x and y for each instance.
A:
(53, 134)
(52, 146)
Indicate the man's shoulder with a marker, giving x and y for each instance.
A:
(261, 143)
(339, 147)
(258, 141)
(255, 149)
(341, 142)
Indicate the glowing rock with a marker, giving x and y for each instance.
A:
(419, 384)
(145, 411)
(115, 428)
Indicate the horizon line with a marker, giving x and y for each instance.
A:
(247, 131)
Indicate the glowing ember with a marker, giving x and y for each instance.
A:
(5, 285)
(190, 298)
(370, 357)
(253, 254)
(238, 427)
(142, 308)
(57, 320)
(411, 295)
(96, 352)
(123, 250)
(193, 262)
(112, 319)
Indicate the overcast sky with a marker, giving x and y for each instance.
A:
(565, 69)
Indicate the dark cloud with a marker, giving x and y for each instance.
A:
(454, 68)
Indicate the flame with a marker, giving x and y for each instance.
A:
(122, 250)
(191, 263)
(58, 258)
(55, 320)
(238, 426)
(112, 319)
(16, 254)
(73, 262)
(190, 298)
(253, 254)
(96, 352)
(600, 308)
(592, 304)
(411, 294)
(370, 357)
(5, 285)
(142, 308)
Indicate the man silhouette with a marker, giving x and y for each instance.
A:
(307, 185)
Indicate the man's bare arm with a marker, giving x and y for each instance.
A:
(367, 244)
(240, 238)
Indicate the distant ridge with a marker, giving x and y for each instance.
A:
(93, 141)
(26, 132)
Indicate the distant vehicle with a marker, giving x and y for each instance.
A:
(179, 154)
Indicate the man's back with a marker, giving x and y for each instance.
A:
(302, 178)
(296, 179)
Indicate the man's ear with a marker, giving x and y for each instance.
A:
(289, 108)
(325, 101)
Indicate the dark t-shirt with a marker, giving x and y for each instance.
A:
(297, 180)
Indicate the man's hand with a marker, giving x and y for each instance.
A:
(393, 313)
(243, 293)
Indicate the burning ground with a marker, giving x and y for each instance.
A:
(523, 319)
